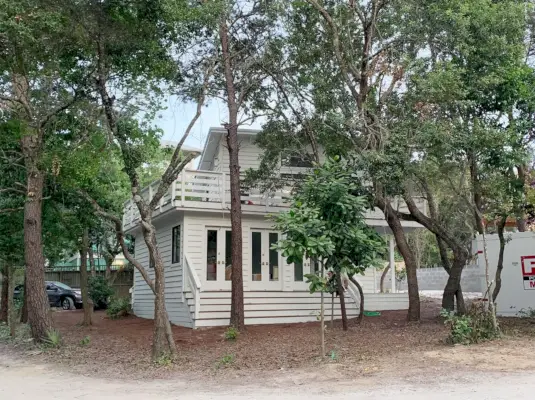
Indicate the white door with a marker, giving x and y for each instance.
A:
(265, 264)
(218, 258)
(299, 270)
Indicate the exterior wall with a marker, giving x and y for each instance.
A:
(518, 275)
(436, 278)
(285, 301)
(249, 154)
(288, 307)
(142, 295)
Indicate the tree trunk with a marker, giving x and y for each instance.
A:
(410, 263)
(499, 268)
(322, 316)
(341, 294)
(443, 251)
(237, 318)
(4, 299)
(453, 290)
(39, 316)
(10, 305)
(383, 277)
(91, 259)
(86, 301)
(476, 187)
(24, 312)
(521, 217)
(109, 262)
(163, 343)
(361, 294)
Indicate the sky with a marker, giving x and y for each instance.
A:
(175, 119)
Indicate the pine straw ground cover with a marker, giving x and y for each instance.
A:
(118, 347)
(121, 348)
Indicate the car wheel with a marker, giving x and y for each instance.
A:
(67, 303)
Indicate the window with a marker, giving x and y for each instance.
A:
(273, 257)
(257, 256)
(175, 257)
(298, 271)
(298, 160)
(228, 255)
(211, 255)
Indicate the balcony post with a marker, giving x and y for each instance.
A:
(223, 189)
(182, 187)
(173, 192)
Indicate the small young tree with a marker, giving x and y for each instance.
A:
(327, 222)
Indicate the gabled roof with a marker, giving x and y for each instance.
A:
(213, 140)
(172, 144)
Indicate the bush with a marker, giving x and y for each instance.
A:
(99, 291)
(474, 327)
(53, 339)
(231, 333)
(118, 308)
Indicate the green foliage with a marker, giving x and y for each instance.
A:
(474, 327)
(100, 290)
(85, 341)
(225, 361)
(231, 333)
(165, 360)
(326, 222)
(53, 339)
(526, 313)
(118, 308)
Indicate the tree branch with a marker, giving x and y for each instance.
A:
(120, 238)
(9, 210)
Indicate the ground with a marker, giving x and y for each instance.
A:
(383, 356)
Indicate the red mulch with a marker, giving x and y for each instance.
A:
(119, 347)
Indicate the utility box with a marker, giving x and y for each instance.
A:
(518, 275)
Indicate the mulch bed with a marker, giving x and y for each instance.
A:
(119, 347)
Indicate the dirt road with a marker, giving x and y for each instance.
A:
(21, 380)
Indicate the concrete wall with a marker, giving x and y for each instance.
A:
(436, 278)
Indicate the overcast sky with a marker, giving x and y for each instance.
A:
(178, 115)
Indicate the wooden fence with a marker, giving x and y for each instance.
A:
(122, 280)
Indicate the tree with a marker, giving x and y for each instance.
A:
(35, 88)
(326, 222)
(125, 87)
(244, 31)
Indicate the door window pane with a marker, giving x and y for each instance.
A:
(257, 256)
(273, 257)
(228, 255)
(211, 255)
(298, 271)
(175, 256)
(316, 266)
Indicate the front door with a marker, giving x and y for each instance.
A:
(266, 262)
(218, 258)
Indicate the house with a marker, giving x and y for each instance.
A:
(194, 234)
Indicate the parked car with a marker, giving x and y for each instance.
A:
(59, 295)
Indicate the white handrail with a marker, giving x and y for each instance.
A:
(353, 292)
(194, 285)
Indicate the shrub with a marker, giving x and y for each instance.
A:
(231, 333)
(99, 290)
(53, 339)
(118, 308)
(165, 360)
(526, 313)
(85, 341)
(474, 327)
(225, 361)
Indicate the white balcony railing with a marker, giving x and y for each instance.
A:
(204, 189)
(211, 190)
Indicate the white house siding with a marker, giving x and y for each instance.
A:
(143, 297)
(288, 307)
(249, 154)
(289, 302)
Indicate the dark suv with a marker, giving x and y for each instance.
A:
(59, 295)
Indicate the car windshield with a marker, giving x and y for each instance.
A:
(62, 285)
